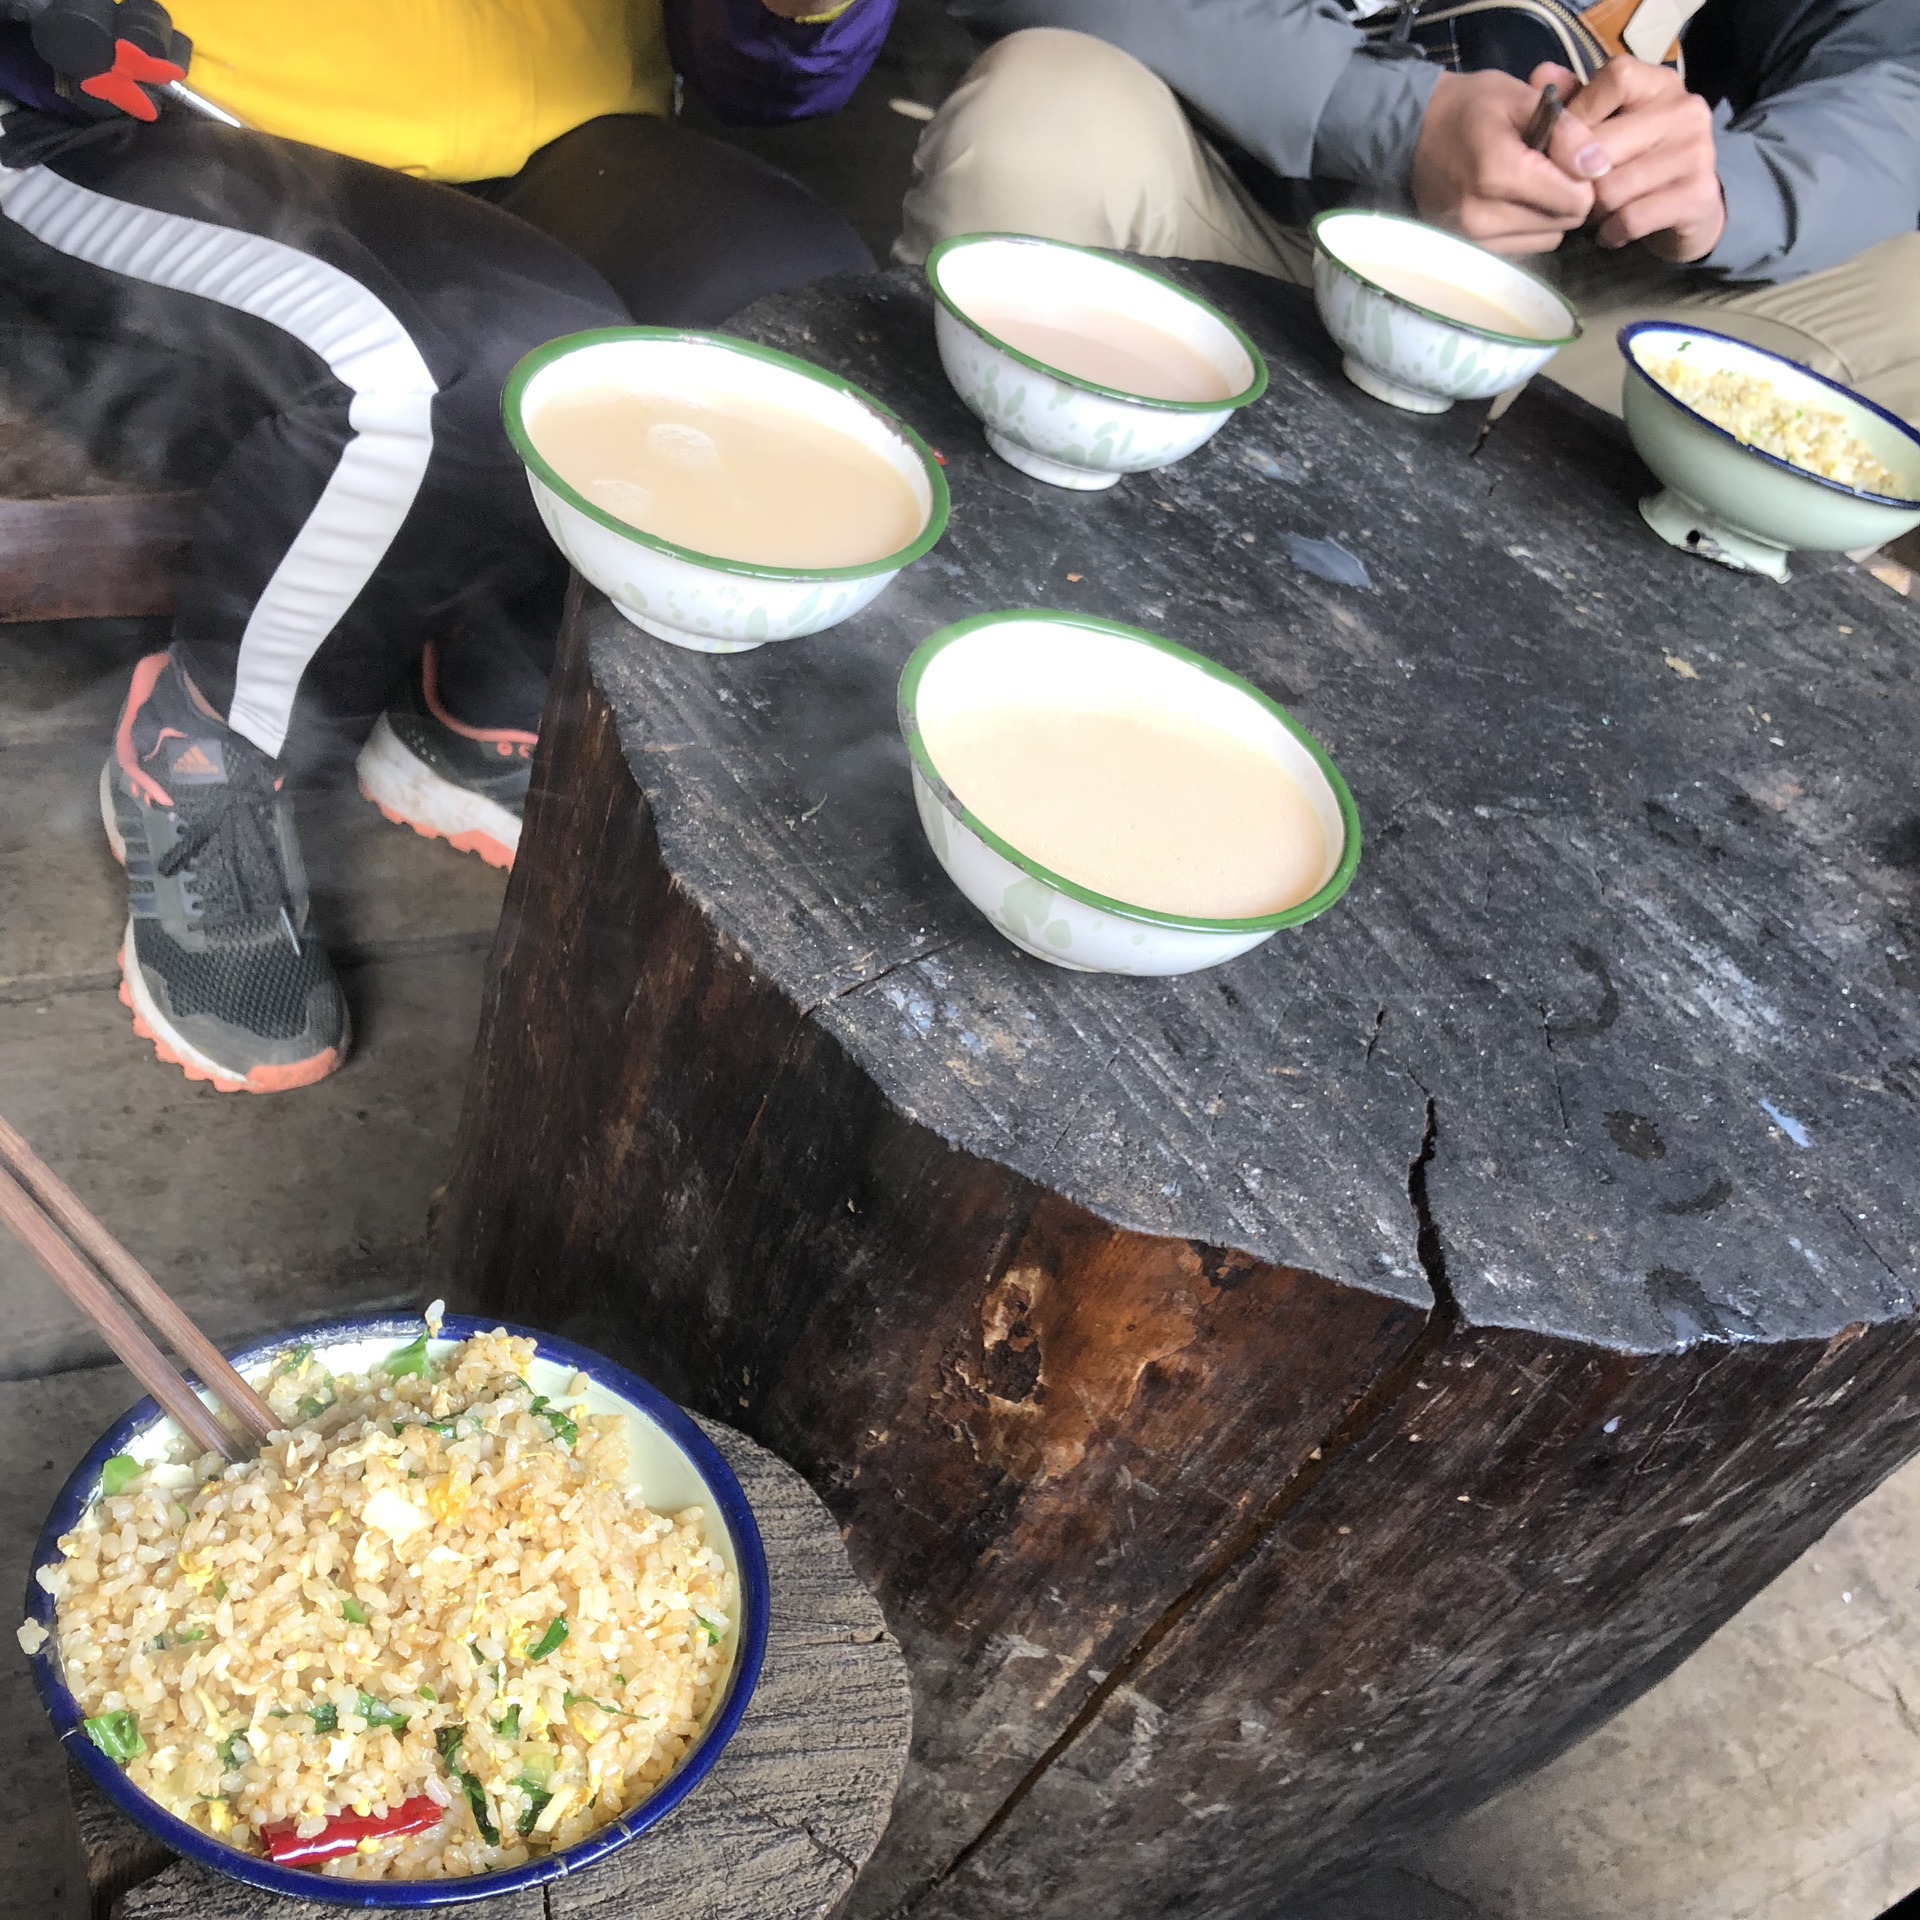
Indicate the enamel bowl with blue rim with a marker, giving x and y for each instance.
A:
(1728, 500)
(671, 1461)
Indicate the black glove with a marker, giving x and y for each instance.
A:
(108, 56)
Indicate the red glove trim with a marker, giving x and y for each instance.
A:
(132, 69)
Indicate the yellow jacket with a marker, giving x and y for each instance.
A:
(447, 89)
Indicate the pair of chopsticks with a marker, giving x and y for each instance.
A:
(82, 1257)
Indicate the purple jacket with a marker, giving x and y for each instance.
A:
(754, 68)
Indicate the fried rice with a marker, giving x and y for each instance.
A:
(436, 1587)
(1756, 413)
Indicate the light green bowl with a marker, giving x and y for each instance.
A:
(1738, 504)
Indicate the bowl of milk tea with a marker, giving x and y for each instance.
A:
(1424, 318)
(1115, 803)
(1082, 367)
(721, 494)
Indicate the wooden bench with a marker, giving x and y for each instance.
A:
(76, 540)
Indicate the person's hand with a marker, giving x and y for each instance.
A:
(1474, 172)
(1646, 145)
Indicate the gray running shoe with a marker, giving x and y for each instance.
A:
(446, 780)
(219, 965)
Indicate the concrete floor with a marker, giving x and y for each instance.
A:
(1776, 1775)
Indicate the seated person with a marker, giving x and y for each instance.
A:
(1774, 193)
(316, 314)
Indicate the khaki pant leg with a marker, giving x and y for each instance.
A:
(1858, 322)
(1061, 135)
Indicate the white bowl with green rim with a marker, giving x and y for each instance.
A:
(1055, 425)
(1728, 500)
(699, 600)
(1052, 660)
(1412, 355)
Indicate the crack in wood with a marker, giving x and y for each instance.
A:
(1559, 1090)
(885, 973)
(1373, 1039)
(1348, 1434)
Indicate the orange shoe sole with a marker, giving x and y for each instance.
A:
(484, 844)
(302, 1073)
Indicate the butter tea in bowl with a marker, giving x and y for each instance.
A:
(1423, 318)
(1115, 803)
(1082, 367)
(722, 494)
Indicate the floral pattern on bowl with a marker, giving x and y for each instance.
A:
(1406, 354)
(1056, 426)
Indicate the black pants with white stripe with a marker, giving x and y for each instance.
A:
(321, 344)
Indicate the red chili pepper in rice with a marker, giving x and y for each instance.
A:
(344, 1832)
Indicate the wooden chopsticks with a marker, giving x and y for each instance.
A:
(76, 1250)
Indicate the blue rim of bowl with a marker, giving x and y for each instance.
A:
(82, 1487)
(907, 697)
(544, 356)
(1244, 398)
(1446, 319)
(1634, 329)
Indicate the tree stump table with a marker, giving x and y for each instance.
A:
(777, 1831)
(1280, 1406)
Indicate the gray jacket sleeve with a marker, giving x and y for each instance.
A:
(1818, 172)
(1285, 79)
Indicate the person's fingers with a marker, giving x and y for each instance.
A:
(1549, 74)
(1518, 242)
(1578, 151)
(1675, 207)
(1660, 171)
(1681, 128)
(1621, 84)
(1501, 223)
(1530, 179)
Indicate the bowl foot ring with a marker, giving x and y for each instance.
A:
(679, 637)
(1680, 523)
(1055, 472)
(1408, 399)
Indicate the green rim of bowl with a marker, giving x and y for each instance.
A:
(1446, 319)
(543, 357)
(1245, 398)
(935, 644)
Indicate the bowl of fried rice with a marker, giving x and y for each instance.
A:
(486, 1611)
(1758, 455)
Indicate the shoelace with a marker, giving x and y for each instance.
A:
(233, 818)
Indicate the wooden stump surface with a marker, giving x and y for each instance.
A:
(1277, 1406)
(777, 1831)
